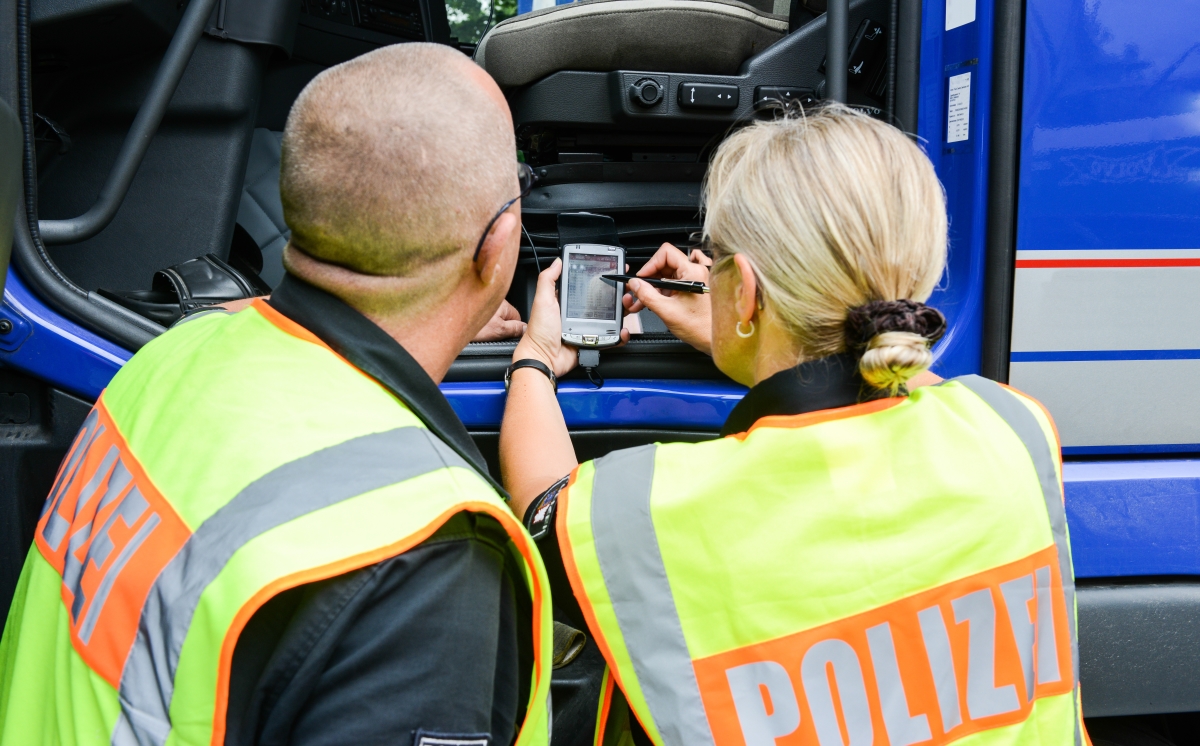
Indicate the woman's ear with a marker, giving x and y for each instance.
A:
(746, 293)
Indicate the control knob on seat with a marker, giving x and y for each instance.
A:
(646, 92)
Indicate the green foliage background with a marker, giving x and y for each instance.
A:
(469, 18)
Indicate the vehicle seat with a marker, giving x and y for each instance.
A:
(709, 37)
(260, 212)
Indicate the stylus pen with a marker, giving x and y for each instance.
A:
(683, 286)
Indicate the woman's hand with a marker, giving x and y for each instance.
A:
(543, 334)
(505, 324)
(687, 315)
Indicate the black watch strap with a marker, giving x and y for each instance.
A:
(531, 363)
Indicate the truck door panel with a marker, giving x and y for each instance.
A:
(1105, 327)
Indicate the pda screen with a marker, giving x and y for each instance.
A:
(588, 296)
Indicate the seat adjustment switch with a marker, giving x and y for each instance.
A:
(708, 95)
(768, 95)
(646, 92)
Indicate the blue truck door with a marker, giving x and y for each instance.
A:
(1106, 330)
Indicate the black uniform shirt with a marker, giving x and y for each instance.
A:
(433, 642)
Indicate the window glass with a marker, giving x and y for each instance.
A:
(524, 6)
(469, 19)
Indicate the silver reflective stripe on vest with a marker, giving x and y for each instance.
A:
(636, 579)
(295, 489)
(1029, 430)
(56, 525)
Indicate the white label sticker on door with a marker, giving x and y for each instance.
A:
(958, 118)
(959, 13)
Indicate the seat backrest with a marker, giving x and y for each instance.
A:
(709, 37)
(260, 213)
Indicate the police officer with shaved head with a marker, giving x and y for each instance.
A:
(272, 528)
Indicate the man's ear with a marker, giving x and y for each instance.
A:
(504, 237)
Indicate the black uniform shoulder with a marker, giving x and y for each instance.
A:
(435, 639)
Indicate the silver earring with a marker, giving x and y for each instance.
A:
(742, 334)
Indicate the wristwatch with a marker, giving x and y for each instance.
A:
(530, 363)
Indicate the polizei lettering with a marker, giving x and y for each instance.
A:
(108, 531)
(933, 667)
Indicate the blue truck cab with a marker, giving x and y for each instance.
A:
(1066, 133)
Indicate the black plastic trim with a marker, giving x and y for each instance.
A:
(600, 99)
(145, 124)
(652, 357)
(268, 22)
(1139, 646)
(908, 64)
(29, 255)
(96, 313)
(609, 196)
(1003, 176)
(163, 14)
(889, 104)
(349, 31)
(543, 101)
(837, 14)
(653, 172)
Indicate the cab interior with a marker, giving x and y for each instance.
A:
(602, 92)
(597, 90)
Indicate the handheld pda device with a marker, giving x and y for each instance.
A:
(591, 306)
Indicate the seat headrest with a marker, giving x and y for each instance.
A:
(703, 37)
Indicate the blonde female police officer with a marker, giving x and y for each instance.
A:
(852, 563)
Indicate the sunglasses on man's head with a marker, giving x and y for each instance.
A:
(526, 178)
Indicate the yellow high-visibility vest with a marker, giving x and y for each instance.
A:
(177, 514)
(895, 572)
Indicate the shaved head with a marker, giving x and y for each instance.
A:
(394, 161)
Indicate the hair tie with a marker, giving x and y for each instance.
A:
(866, 321)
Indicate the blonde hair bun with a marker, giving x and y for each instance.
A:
(892, 358)
(893, 339)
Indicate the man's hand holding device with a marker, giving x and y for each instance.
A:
(543, 336)
(687, 314)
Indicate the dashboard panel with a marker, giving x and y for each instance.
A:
(368, 20)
